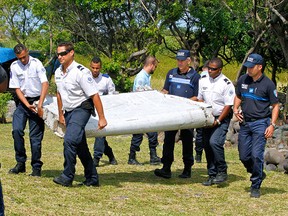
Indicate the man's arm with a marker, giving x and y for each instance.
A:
(236, 105)
(60, 111)
(99, 108)
(43, 94)
(270, 129)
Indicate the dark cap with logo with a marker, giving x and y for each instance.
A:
(254, 59)
(182, 54)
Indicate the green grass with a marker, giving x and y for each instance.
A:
(132, 190)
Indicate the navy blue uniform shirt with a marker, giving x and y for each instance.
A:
(256, 96)
(183, 85)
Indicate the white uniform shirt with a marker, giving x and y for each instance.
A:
(75, 86)
(29, 77)
(142, 81)
(105, 84)
(218, 92)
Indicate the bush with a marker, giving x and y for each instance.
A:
(4, 98)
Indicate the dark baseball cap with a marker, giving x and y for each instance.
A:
(182, 54)
(254, 59)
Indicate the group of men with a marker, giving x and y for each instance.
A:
(78, 91)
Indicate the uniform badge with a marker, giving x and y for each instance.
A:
(244, 86)
(89, 80)
(251, 90)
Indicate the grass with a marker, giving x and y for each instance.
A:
(132, 190)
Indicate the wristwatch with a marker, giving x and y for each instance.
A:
(218, 121)
(274, 125)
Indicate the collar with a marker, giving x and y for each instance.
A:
(70, 67)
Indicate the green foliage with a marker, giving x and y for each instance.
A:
(4, 98)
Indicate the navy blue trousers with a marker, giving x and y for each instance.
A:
(251, 146)
(199, 146)
(214, 140)
(101, 146)
(187, 147)
(36, 132)
(75, 143)
(138, 138)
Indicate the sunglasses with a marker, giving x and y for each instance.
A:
(63, 53)
(212, 69)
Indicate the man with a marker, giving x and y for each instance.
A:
(77, 95)
(105, 86)
(218, 91)
(255, 93)
(142, 83)
(182, 81)
(28, 78)
(199, 138)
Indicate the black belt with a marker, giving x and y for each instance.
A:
(32, 99)
(252, 119)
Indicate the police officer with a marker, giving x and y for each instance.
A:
(77, 95)
(105, 86)
(142, 83)
(182, 81)
(28, 78)
(218, 91)
(255, 93)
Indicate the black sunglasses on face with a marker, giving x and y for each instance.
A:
(213, 69)
(63, 53)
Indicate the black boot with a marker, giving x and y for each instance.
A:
(186, 172)
(112, 159)
(165, 172)
(132, 159)
(19, 168)
(154, 159)
(198, 157)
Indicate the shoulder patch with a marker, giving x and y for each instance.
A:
(204, 76)
(227, 81)
(80, 67)
(105, 75)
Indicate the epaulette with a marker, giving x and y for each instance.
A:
(105, 75)
(227, 81)
(80, 67)
(203, 76)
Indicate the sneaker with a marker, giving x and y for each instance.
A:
(220, 177)
(113, 161)
(62, 181)
(36, 172)
(162, 173)
(90, 183)
(19, 168)
(209, 181)
(255, 193)
(132, 161)
(185, 174)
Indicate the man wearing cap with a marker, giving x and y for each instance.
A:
(255, 93)
(182, 81)
(218, 91)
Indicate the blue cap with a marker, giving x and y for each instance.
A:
(254, 59)
(182, 54)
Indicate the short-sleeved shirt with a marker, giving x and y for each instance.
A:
(74, 86)
(256, 96)
(218, 92)
(29, 77)
(142, 81)
(182, 84)
(105, 84)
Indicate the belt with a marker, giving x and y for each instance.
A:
(251, 119)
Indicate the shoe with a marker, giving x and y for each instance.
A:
(62, 181)
(209, 181)
(255, 193)
(90, 183)
(113, 161)
(155, 160)
(220, 177)
(186, 173)
(19, 168)
(132, 161)
(162, 173)
(96, 162)
(36, 172)
(198, 158)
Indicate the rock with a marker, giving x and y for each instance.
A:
(285, 165)
(271, 167)
(273, 156)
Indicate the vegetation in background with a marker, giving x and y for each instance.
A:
(4, 98)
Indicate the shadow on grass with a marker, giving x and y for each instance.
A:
(268, 190)
(117, 178)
